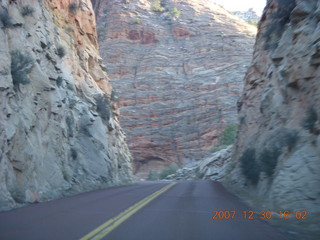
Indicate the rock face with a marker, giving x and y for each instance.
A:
(215, 167)
(178, 77)
(248, 16)
(59, 132)
(277, 153)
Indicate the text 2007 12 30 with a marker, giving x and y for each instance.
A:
(258, 215)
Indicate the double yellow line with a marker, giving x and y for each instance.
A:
(113, 223)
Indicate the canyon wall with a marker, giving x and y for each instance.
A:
(178, 69)
(277, 152)
(59, 129)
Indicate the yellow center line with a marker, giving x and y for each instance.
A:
(113, 223)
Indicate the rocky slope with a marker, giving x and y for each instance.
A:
(178, 68)
(277, 153)
(249, 16)
(215, 167)
(59, 132)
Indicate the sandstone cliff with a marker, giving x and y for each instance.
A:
(277, 153)
(178, 67)
(59, 132)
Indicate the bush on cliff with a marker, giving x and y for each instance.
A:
(226, 137)
(27, 10)
(249, 166)
(103, 107)
(21, 66)
(61, 51)
(269, 160)
(156, 6)
(273, 146)
(175, 13)
(73, 8)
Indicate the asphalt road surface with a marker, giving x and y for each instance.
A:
(148, 211)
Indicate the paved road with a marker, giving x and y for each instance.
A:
(183, 212)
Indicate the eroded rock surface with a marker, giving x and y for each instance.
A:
(178, 77)
(277, 153)
(59, 132)
(215, 167)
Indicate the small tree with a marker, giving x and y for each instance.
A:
(103, 107)
(228, 135)
(27, 10)
(156, 6)
(59, 81)
(21, 66)
(61, 52)
(269, 160)
(175, 13)
(73, 8)
(249, 166)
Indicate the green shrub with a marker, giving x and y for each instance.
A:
(61, 52)
(59, 81)
(153, 175)
(175, 13)
(250, 168)
(273, 147)
(27, 10)
(21, 66)
(254, 23)
(228, 135)
(73, 8)
(103, 107)
(310, 120)
(168, 170)
(6, 19)
(156, 6)
(136, 21)
(269, 159)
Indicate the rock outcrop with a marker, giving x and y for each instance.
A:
(277, 152)
(59, 130)
(249, 16)
(215, 167)
(178, 67)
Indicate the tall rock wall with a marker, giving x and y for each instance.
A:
(59, 130)
(178, 68)
(277, 152)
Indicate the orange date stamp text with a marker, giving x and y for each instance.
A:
(259, 215)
